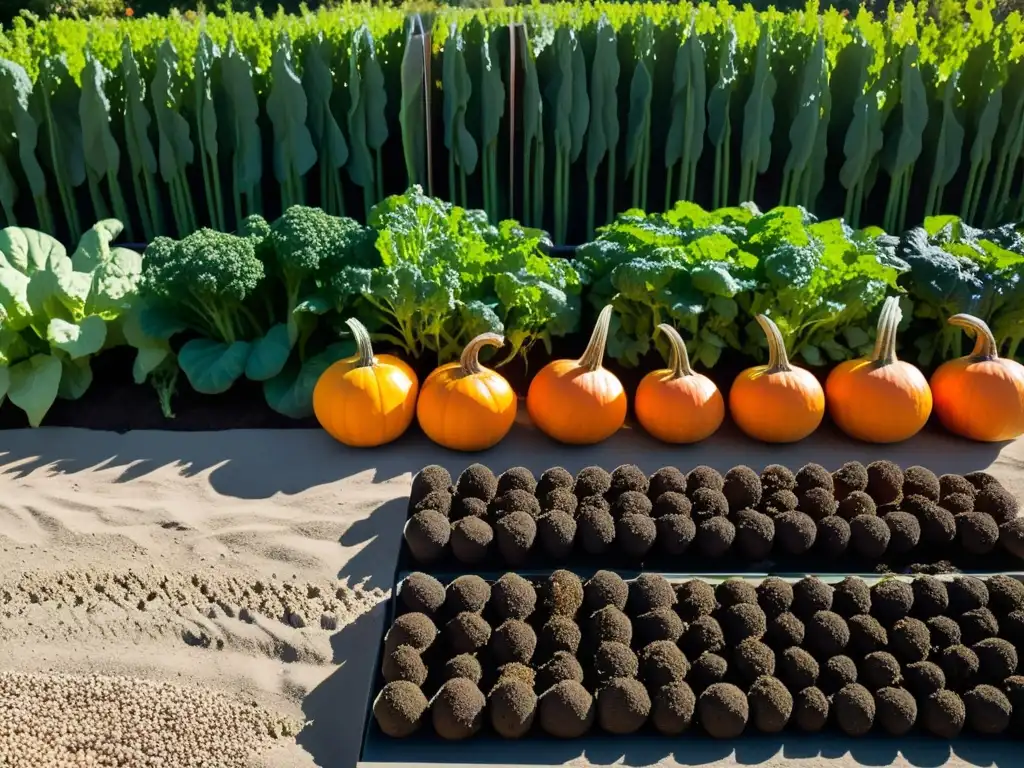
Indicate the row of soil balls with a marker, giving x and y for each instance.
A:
(559, 655)
(873, 512)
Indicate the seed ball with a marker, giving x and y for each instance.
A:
(818, 503)
(798, 669)
(673, 708)
(850, 477)
(811, 595)
(715, 536)
(742, 488)
(708, 503)
(566, 710)
(708, 669)
(648, 592)
(1014, 689)
(982, 480)
(833, 537)
(880, 670)
(869, 536)
(513, 597)
(810, 710)
(671, 503)
(457, 710)
(464, 665)
(660, 624)
(399, 709)
(695, 598)
(885, 482)
(755, 534)
(605, 588)
(965, 594)
(851, 597)
(944, 631)
(675, 533)
(623, 706)
(977, 625)
(426, 534)
(776, 477)
(471, 539)
(559, 500)
(556, 477)
(518, 671)
(614, 660)
(513, 640)
(978, 532)
(753, 659)
(478, 482)
(467, 593)
(661, 663)
(795, 532)
(896, 710)
(703, 635)
(921, 481)
(467, 633)
(722, 710)
(958, 503)
(960, 665)
(562, 593)
(783, 631)
(421, 593)
(812, 475)
(512, 705)
(827, 634)
(837, 673)
(627, 477)
(703, 477)
(559, 633)
(1012, 628)
(594, 502)
(438, 501)
(944, 714)
(431, 478)
(891, 600)
(636, 534)
(988, 710)
(854, 504)
(561, 666)
(516, 500)
(469, 507)
(924, 678)
(774, 595)
(904, 532)
(866, 635)
(736, 591)
(855, 710)
(404, 663)
(743, 621)
(612, 625)
(516, 478)
(595, 530)
(771, 704)
(930, 597)
(413, 629)
(630, 503)
(1011, 537)
(910, 640)
(938, 527)
(997, 660)
(592, 481)
(557, 532)
(950, 484)
(1005, 594)
(516, 533)
(666, 480)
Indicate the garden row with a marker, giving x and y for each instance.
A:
(169, 123)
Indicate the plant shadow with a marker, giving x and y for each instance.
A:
(381, 532)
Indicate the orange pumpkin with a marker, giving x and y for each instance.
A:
(980, 396)
(363, 400)
(464, 406)
(880, 399)
(778, 402)
(578, 401)
(676, 404)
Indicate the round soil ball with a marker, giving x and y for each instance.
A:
(944, 714)
(636, 534)
(740, 622)
(695, 598)
(614, 660)
(708, 669)
(421, 593)
(623, 706)
(426, 534)
(477, 482)
(516, 533)
(562, 666)
(463, 508)
(675, 533)
(438, 501)
(869, 536)
(988, 709)
(795, 532)
(413, 629)
(592, 481)
(977, 625)
(958, 504)
(399, 709)
(867, 635)
(810, 710)
(784, 630)
(630, 503)
(836, 674)
(715, 536)
(595, 530)
(457, 710)
(736, 591)
(671, 503)
(812, 475)
(661, 663)
(703, 635)
(904, 532)
(1005, 594)
(777, 502)
(471, 539)
(512, 705)
(1012, 628)
(818, 503)
(666, 480)
(921, 481)
(467, 633)
(852, 476)
(891, 600)
(432, 477)
(648, 592)
(981, 480)
(513, 640)
(776, 477)
(742, 488)
(771, 704)
(605, 588)
(516, 479)
(798, 669)
(518, 671)
(950, 484)
(628, 477)
(827, 634)
(966, 593)
(404, 663)
(662, 624)
(755, 534)
(960, 665)
(593, 502)
(855, 504)
(556, 477)
(998, 502)
(722, 710)
(673, 708)
(938, 526)
(1014, 689)
(851, 597)
(566, 710)
(560, 500)
(855, 709)
(923, 678)
(612, 625)
(557, 533)
(752, 660)
(811, 595)
(910, 640)
(833, 536)
(880, 670)
(895, 710)
(515, 501)
(978, 532)
(930, 597)
(464, 665)
(559, 633)
(708, 503)
(513, 597)
(562, 593)
(466, 593)
(997, 660)
(703, 477)
(885, 482)
(774, 595)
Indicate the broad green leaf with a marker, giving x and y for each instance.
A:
(758, 118)
(949, 144)
(360, 164)
(412, 114)
(721, 93)
(803, 132)
(579, 114)
(685, 139)
(243, 112)
(5, 381)
(290, 393)
(77, 339)
(57, 97)
(141, 155)
(29, 251)
(913, 116)
(176, 151)
(492, 95)
(16, 119)
(76, 376)
(458, 89)
(159, 323)
(269, 354)
(603, 128)
(102, 152)
(34, 384)
(212, 366)
(294, 152)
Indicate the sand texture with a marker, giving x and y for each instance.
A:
(185, 599)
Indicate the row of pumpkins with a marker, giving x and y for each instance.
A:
(369, 400)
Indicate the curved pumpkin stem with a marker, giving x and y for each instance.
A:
(885, 339)
(470, 360)
(679, 362)
(985, 347)
(593, 355)
(778, 360)
(364, 349)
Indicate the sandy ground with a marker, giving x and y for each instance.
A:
(255, 564)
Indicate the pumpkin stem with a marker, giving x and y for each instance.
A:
(885, 338)
(778, 360)
(470, 360)
(679, 361)
(985, 347)
(593, 355)
(364, 349)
